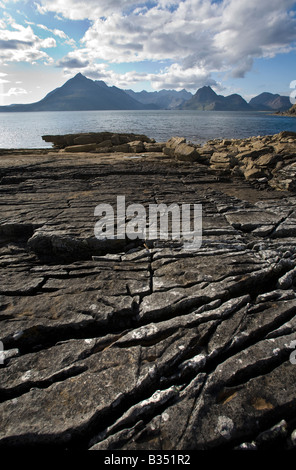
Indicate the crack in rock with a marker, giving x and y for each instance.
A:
(138, 344)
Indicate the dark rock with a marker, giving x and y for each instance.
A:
(87, 140)
(142, 344)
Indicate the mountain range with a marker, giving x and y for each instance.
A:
(163, 99)
(81, 93)
(268, 101)
(205, 99)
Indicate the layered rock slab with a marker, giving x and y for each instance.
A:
(144, 345)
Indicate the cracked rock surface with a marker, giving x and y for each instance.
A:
(140, 344)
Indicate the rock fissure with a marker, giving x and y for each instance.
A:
(140, 344)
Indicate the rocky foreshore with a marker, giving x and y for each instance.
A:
(140, 344)
(291, 112)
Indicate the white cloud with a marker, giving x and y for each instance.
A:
(173, 76)
(19, 43)
(178, 78)
(72, 62)
(83, 9)
(42, 10)
(60, 33)
(57, 32)
(42, 26)
(195, 35)
(15, 92)
(48, 42)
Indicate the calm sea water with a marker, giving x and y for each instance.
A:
(24, 130)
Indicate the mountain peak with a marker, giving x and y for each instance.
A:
(205, 99)
(78, 76)
(205, 94)
(268, 101)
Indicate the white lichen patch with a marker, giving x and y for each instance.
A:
(225, 426)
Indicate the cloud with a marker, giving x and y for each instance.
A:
(220, 36)
(177, 78)
(196, 37)
(13, 44)
(60, 33)
(48, 43)
(83, 9)
(72, 63)
(20, 44)
(15, 92)
(57, 32)
(173, 76)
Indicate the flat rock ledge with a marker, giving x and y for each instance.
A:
(141, 344)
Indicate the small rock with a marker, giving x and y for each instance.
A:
(185, 153)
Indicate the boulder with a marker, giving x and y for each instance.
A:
(84, 139)
(104, 144)
(185, 153)
(171, 144)
(222, 160)
(121, 148)
(254, 153)
(285, 178)
(174, 141)
(136, 146)
(268, 160)
(80, 148)
(154, 147)
(254, 173)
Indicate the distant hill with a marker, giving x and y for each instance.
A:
(163, 99)
(80, 93)
(270, 102)
(205, 99)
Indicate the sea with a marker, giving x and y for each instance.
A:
(25, 130)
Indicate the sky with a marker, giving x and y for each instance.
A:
(234, 46)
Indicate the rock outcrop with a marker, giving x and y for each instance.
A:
(268, 161)
(263, 160)
(102, 142)
(141, 344)
(290, 112)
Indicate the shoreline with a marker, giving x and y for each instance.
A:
(196, 127)
(268, 159)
